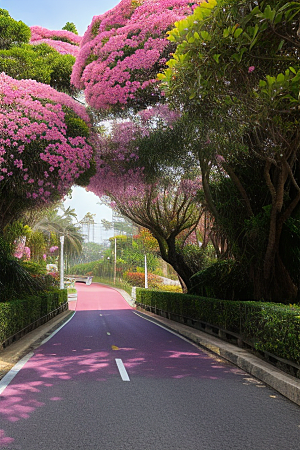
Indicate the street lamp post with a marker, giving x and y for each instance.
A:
(115, 262)
(146, 272)
(62, 284)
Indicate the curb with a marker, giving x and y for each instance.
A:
(283, 383)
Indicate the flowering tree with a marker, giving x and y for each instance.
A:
(124, 49)
(237, 70)
(45, 145)
(48, 58)
(167, 208)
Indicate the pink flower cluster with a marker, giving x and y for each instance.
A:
(190, 188)
(123, 50)
(53, 249)
(63, 48)
(37, 159)
(38, 33)
(116, 176)
(19, 247)
(65, 42)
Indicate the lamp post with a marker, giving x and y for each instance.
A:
(62, 240)
(146, 272)
(115, 262)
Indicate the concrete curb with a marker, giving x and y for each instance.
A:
(283, 383)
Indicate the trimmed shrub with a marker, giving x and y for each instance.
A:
(16, 315)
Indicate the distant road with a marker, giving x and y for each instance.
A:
(111, 379)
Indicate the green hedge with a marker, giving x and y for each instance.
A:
(15, 315)
(270, 327)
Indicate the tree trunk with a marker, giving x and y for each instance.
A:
(176, 260)
(277, 287)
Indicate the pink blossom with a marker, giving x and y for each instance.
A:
(27, 253)
(123, 50)
(38, 33)
(220, 158)
(33, 112)
(251, 68)
(117, 176)
(63, 48)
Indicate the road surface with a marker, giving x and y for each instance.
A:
(110, 379)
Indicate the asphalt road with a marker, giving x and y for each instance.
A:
(111, 379)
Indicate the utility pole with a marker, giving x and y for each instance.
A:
(62, 284)
(115, 262)
(146, 272)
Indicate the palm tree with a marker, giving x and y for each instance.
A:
(51, 221)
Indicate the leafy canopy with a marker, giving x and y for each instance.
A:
(12, 32)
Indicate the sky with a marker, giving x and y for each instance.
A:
(53, 14)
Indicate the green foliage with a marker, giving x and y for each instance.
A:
(70, 26)
(290, 248)
(38, 62)
(82, 269)
(269, 327)
(15, 280)
(95, 28)
(12, 32)
(34, 268)
(224, 280)
(15, 315)
(236, 69)
(169, 288)
(37, 245)
(61, 70)
(14, 231)
(194, 257)
(84, 178)
(76, 126)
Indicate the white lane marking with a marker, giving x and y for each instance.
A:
(122, 370)
(57, 330)
(13, 372)
(167, 329)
